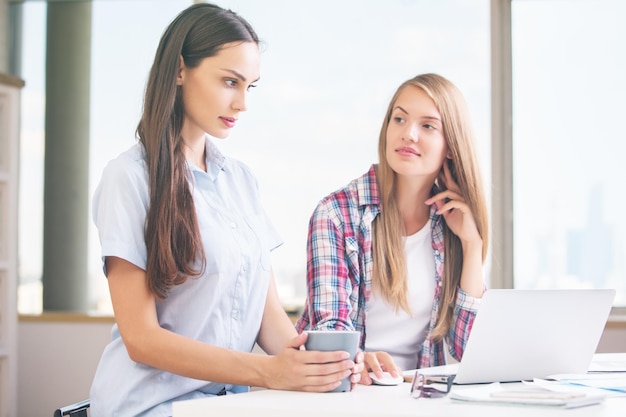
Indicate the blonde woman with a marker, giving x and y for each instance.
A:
(398, 253)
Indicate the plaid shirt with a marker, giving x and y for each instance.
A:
(340, 263)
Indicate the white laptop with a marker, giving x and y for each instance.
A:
(526, 334)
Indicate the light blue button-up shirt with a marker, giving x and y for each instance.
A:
(223, 307)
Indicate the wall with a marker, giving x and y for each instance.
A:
(56, 363)
(57, 360)
(614, 337)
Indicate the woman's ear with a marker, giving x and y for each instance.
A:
(181, 71)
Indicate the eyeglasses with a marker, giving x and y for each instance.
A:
(431, 386)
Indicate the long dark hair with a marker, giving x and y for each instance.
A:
(171, 231)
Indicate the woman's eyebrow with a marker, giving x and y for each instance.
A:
(239, 75)
(400, 108)
(424, 117)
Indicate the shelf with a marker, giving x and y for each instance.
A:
(9, 155)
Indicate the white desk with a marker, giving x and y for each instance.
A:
(373, 401)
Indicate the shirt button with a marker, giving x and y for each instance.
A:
(233, 225)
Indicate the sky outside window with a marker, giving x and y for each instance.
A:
(569, 63)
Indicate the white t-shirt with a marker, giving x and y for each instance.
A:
(395, 332)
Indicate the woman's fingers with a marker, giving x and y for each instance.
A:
(447, 177)
(378, 362)
(298, 369)
(358, 368)
(447, 200)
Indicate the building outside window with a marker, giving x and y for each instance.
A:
(568, 144)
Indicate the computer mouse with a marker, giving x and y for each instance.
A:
(387, 379)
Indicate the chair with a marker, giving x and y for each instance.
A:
(78, 409)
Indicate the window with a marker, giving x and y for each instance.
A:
(328, 71)
(568, 144)
(124, 38)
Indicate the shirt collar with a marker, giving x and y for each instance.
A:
(215, 161)
(367, 188)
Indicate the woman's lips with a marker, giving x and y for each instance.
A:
(228, 121)
(407, 151)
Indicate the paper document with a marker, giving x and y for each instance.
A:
(608, 363)
(611, 382)
(525, 395)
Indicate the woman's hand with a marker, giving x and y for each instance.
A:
(359, 366)
(378, 362)
(459, 218)
(455, 211)
(297, 369)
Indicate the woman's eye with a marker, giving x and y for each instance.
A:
(231, 82)
(251, 86)
(398, 119)
(427, 126)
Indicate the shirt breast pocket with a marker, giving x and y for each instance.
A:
(259, 228)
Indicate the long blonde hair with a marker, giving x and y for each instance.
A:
(390, 269)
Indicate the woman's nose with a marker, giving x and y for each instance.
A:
(411, 133)
(240, 102)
